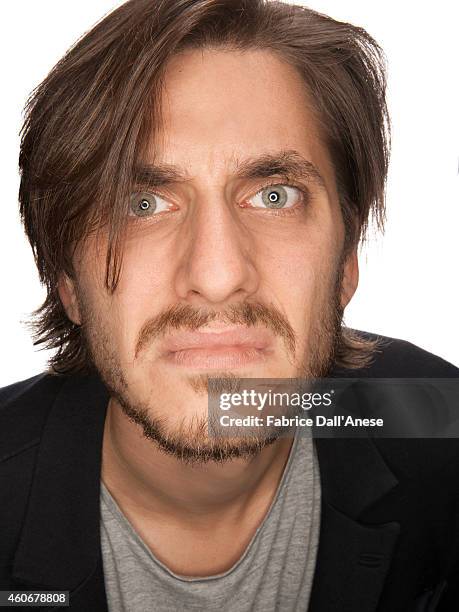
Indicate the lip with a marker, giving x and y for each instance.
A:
(211, 349)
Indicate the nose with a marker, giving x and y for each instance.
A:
(216, 266)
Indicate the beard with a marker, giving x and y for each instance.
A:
(188, 440)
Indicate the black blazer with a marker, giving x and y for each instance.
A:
(389, 538)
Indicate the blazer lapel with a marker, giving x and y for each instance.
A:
(91, 595)
(353, 558)
(59, 547)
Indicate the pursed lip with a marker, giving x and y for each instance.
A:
(227, 347)
(231, 338)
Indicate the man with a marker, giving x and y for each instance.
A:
(196, 177)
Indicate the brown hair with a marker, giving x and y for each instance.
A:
(88, 122)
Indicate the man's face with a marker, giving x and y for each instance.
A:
(232, 262)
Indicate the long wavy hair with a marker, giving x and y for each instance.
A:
(88, 122)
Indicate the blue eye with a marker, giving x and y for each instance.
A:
(147, 204)
(276, 196)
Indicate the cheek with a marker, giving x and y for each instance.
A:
(142, 293)
(144, 289)
(108, 317)
(299, 272)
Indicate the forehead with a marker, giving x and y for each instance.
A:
(220, 107)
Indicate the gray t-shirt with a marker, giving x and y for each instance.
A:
(275, 572)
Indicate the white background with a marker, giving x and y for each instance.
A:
(409, 280)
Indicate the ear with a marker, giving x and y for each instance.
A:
(350, 278)
(67, 293)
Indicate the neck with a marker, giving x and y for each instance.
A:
(146, 481)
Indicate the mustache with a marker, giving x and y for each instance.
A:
(184, 316)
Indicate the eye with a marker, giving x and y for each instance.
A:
(276, 196)
(147, 204)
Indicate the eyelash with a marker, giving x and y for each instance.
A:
(283, 212)
(305, 196)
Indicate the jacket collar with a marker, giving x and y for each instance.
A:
(59, 546)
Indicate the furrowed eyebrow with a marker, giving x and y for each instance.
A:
(289, 164)
(286, 163)
(159, 175)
